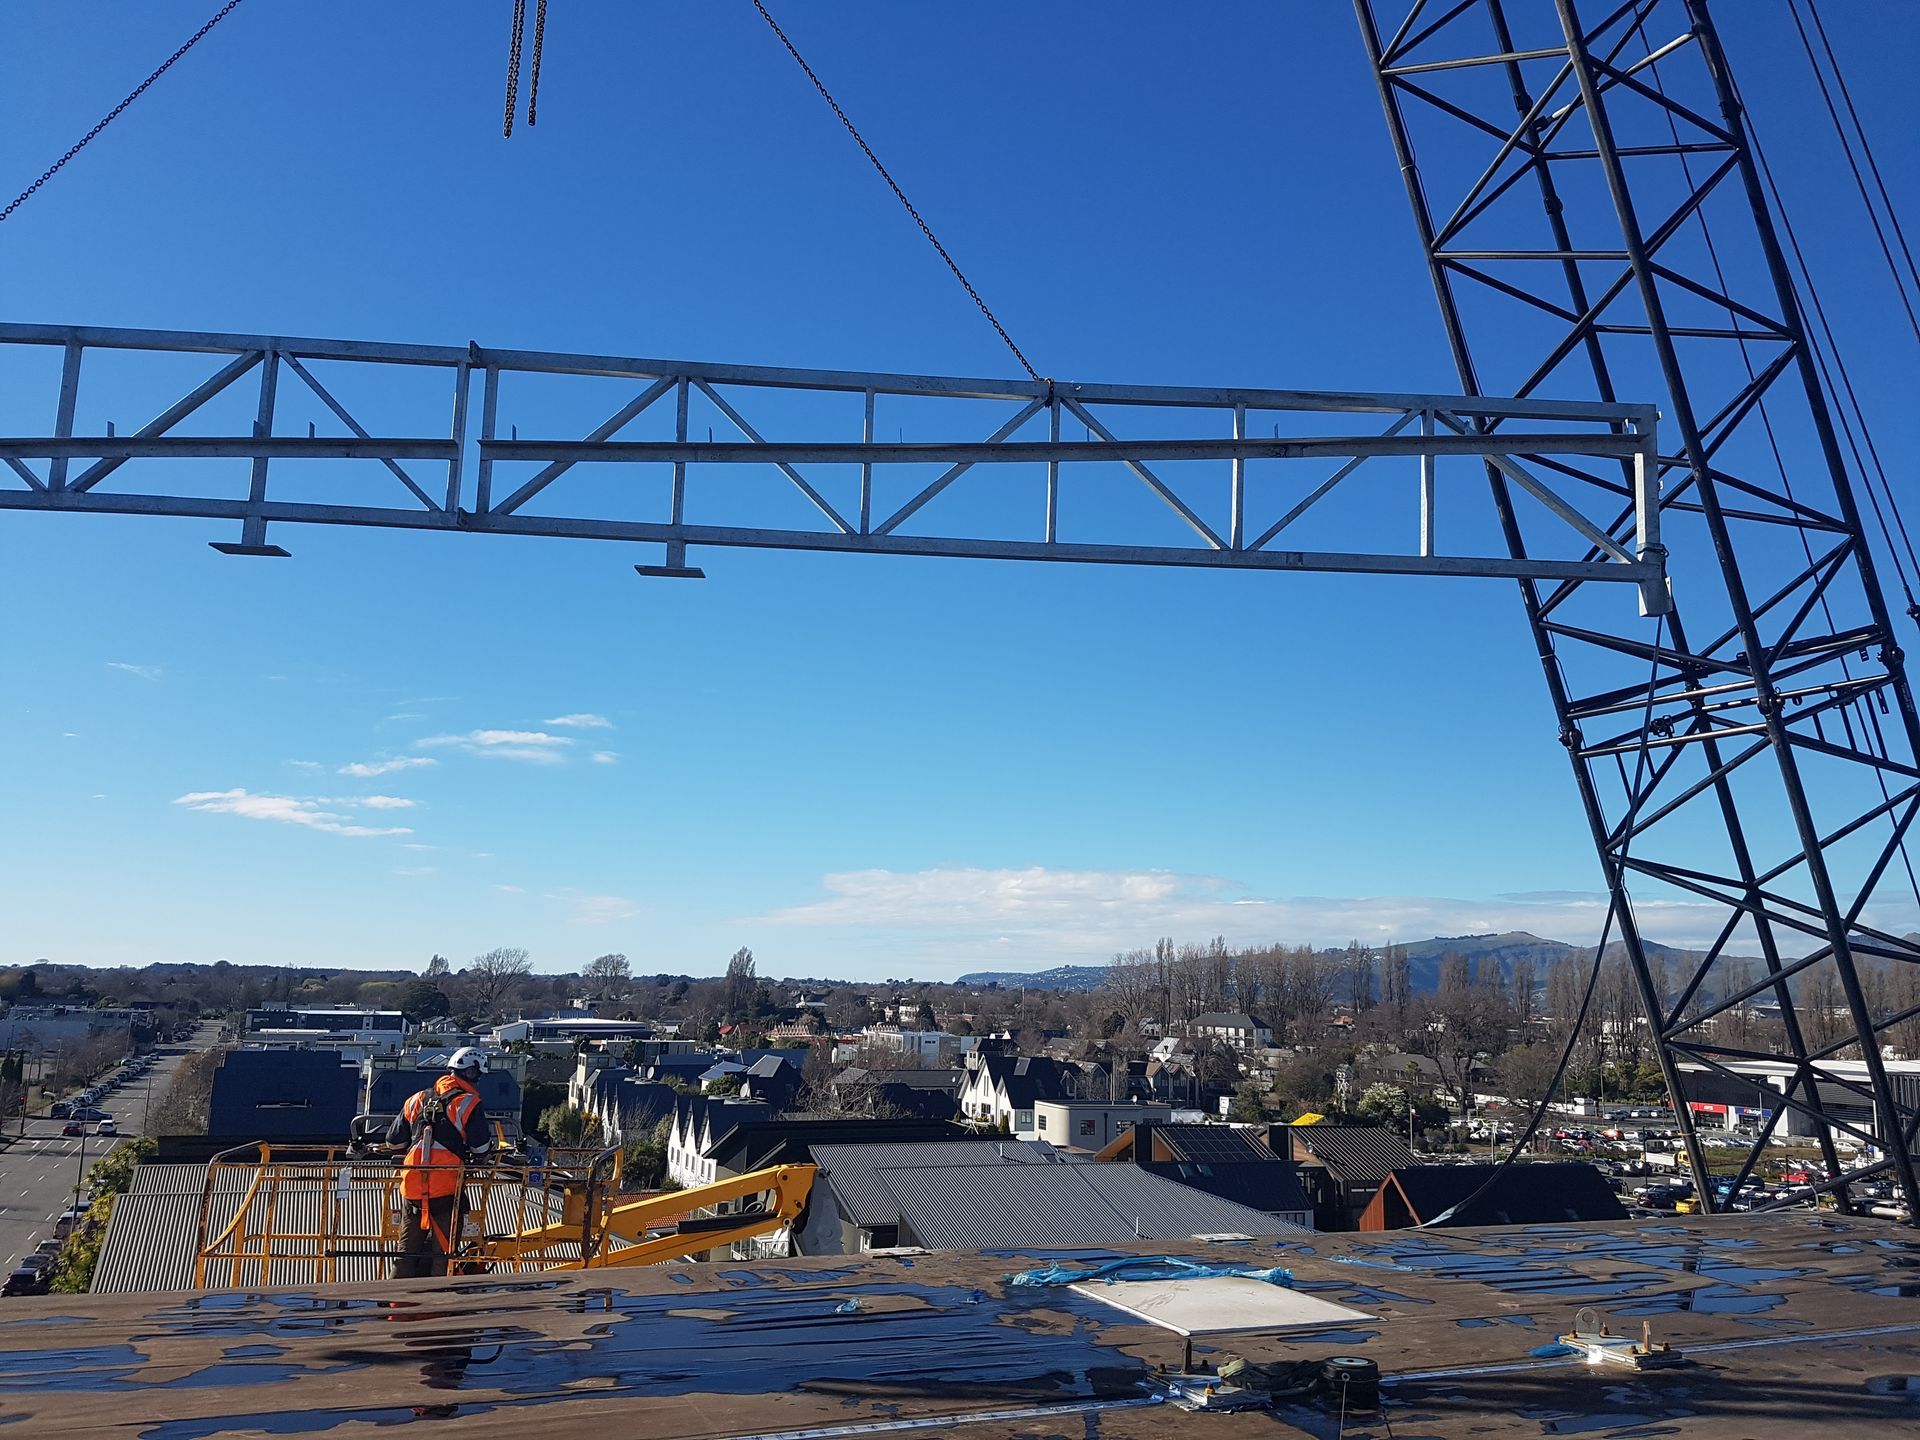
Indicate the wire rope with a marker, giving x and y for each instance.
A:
(894, 185)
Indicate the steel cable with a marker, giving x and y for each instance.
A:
(894, 185)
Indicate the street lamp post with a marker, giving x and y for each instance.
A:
(80, 1170)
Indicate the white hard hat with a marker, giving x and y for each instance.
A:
(468, 1057)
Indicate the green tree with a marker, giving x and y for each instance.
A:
(108, 1179)
(1251, 1101)
(569, 1128)
(423, 1000)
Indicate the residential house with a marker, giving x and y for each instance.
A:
(627, 1106)
(984, 1195)
(1090, 1125)
(919, 1094)
(699, 1123)
(1444, 1196)
(927, 1047)
(1342, 1167)
(1243, 1032)
(1001, 1090)
(774, 1079)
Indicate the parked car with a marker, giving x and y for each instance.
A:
(90, 1112)
(68, 1218)
(72, 1128)
(106, 1127)
(61, 1109)
(28, 1280)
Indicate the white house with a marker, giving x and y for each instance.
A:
(1243, 1032)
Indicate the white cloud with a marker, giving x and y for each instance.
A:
(1050, 916)
(145, 672)
(383, 802)
(287, 809)
(580, 722)
(306, 764)
(416, 845)
(596, 909)
(509, 889)
(606, 757)
(367, 769)
(411, 870)
(535, 747)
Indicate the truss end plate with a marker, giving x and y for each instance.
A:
(227, 547)
(671, 572)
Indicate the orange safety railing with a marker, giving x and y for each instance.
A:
(300, 1211)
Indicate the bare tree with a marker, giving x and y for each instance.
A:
(494, 976)
(740, 983)
(607, 972)
(1132, 985)
(1358, 965)
(438, 967)
(1455, 1028)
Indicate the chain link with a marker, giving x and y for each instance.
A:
(114, 114)
(539, 40)
(513, 66)
(899, 194)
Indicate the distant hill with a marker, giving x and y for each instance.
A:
(1061, 977)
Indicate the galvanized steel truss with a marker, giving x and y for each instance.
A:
(1587, 198)
(1199, 453)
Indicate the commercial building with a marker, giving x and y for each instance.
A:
(360, 1032)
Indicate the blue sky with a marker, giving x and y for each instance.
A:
(856, 766)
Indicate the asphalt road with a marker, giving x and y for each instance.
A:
(38, 1174)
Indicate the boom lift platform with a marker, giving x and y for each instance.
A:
(310, 1214)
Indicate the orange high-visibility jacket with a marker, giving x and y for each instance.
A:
(442, 1129)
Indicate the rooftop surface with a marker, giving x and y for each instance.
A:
(1793, 1324)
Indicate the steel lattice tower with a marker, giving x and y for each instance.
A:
(1594, 221)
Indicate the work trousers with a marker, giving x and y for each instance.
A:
(431, 1234)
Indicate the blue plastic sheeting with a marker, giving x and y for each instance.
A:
(1551, 1352)
(1147, 1267)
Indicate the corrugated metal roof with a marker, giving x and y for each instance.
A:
(1538, 1192)
(182, 1179)
(1268, 1185)
(858, 1171)
(1214, 1144)
(1011, 1206)
(152, 1238)
(1361, 1155)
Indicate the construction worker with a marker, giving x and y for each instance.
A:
(443, 1129)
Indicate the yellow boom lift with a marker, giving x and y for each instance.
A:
(305, 1214)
